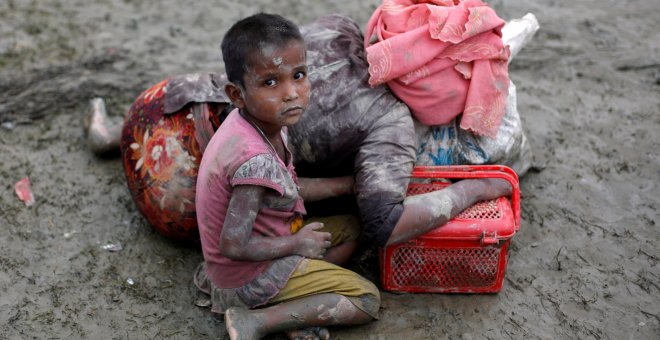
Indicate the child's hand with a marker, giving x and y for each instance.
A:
(313, 243)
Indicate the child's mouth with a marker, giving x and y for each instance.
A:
(293, 111)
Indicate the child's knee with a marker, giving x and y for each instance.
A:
(371, 299)
(370, 304)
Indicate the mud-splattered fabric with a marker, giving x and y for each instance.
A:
(313, 277)
(239, 155)
(349, 127)
(273, 284)
(442, 58)
(447, 144)
(253, 294)
(195, 87)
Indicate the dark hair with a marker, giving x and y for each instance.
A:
(248, 34)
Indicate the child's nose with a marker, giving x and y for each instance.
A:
(291, 92)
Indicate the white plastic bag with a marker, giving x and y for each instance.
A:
(448, 144)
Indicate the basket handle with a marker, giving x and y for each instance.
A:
(476, 171)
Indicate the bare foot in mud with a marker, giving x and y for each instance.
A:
(240, 325)
(103, 135)
(312, 333)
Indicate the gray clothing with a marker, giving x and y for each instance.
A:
(348, 127)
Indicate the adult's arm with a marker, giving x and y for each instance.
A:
(316, 189)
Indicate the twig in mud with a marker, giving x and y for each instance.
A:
(645, 284)
(637, 67)
(573, 218)
(583, 259)
(597, 336)
(557, 259)
(511, 320)
(515, 285)
(169, 335)
(628, 289)
(604, 271)
(650, 314)
(556, 304)
(583, 301)
(647, 254)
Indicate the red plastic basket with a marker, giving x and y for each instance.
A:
(468, 254)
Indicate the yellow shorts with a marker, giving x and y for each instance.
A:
(344, 228)
(313, 277)
(310, 277)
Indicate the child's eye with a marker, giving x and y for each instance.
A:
(299, 75)
(270, 82)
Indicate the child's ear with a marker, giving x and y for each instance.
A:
(235, 94)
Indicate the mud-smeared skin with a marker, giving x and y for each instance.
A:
(351, 128)
(312, 333)
(241, 326)
(332, 309)
(422, 213)
(583, 266)
(238, 242)
(315, 189)
(102, 133)
(435, 206)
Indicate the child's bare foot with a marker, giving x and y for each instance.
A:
(312, 333)
(240, 325)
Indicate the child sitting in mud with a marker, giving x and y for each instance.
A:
(256, 260)
(263, 273)
(349, 128)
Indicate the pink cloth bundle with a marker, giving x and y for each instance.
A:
(442, 58)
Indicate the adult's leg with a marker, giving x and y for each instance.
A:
(422, 213)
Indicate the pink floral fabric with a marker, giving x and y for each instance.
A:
(442, 58)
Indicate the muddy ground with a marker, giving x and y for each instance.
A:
(583, 266)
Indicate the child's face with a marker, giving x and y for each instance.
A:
(276, 89)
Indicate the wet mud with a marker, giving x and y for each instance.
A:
(82, 263)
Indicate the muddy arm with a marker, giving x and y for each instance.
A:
(237, 241)
(316, 189)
